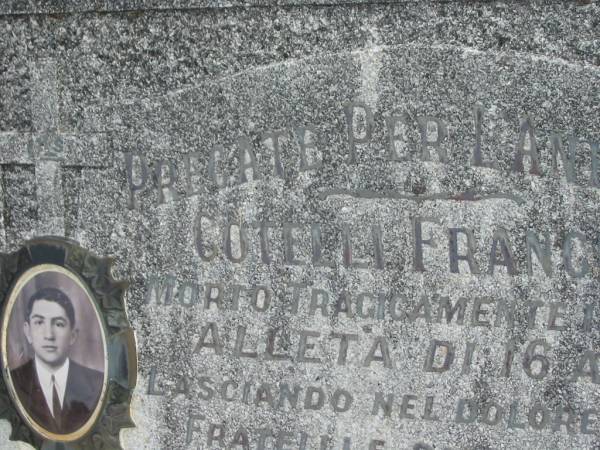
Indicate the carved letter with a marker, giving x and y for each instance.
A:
(526, 131)
(544, 255)
(568, 255)
(501, 238)
(273, 139)
(431, 354)
(364, 128)
(247, 160)
(567, 158)
(478, 160)
(133, 187)
(427, 126)
(419, 241)
(306, 137)
(169, 185)
(455, 257)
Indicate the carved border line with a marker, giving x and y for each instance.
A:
(468, 196)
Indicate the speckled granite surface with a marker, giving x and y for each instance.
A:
(347, 226)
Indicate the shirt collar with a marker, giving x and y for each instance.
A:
(60, 377)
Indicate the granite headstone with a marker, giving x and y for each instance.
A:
(346, 225)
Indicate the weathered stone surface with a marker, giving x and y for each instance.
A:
(315, 130)
(73, 6)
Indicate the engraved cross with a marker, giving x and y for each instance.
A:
(49, 149)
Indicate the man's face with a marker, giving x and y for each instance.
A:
(49, 332)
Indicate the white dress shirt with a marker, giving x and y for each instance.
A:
(60, 379)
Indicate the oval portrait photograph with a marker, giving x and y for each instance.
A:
(54, 352)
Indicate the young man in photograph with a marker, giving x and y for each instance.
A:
(58, 393)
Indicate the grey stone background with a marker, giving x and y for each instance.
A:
(98, 79)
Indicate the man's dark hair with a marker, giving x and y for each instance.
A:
(52, 295)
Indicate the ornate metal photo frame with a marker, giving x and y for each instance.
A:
(36, 283)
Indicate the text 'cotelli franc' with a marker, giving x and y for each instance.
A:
(426, 244)
(517, 148)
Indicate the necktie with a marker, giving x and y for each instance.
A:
(56, 409)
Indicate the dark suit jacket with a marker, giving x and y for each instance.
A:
(82, 393)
